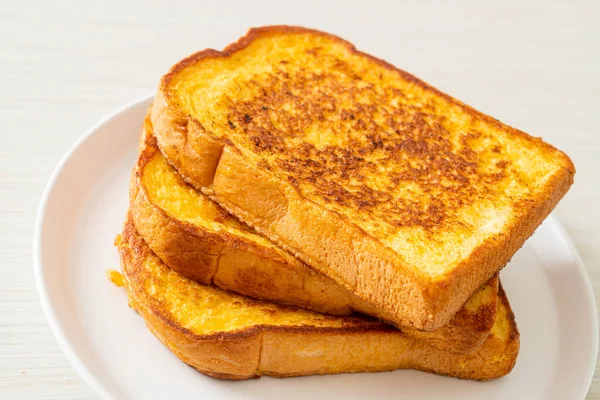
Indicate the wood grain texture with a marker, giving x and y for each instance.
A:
(63, 65)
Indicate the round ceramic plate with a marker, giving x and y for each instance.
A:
(83, 208)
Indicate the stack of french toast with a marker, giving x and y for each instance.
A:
(300, 207)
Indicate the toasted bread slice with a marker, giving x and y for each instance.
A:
(200, 241)
(229, 336)
(403, 195)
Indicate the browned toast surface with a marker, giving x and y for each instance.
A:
(234, 337)
(400, 193)
(199, 240)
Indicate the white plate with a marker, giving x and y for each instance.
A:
(107, 343)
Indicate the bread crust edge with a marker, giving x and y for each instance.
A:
(418, 302)
(280, 351)
(197, 254)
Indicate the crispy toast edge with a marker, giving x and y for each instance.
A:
(268, 274)
(431, 303)
(281, 351)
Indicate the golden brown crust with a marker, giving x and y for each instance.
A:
(283, 351)
(323, 237)
(134, 253)
(228, 260)
(238, 264)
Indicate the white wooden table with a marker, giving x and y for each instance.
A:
(63, 65)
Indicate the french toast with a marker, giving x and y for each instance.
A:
(229, 336)
(199, 240)
(403, 195)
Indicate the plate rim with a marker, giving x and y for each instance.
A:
(591, 299)
(49, 313)
(98, 387)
